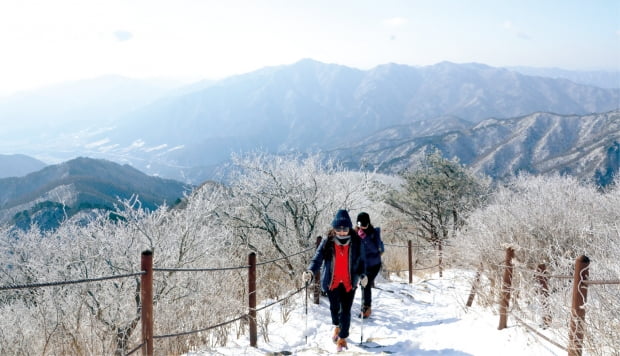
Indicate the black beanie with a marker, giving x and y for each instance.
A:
(363, 219)
(342, 219)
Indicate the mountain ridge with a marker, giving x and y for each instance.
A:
(17, 165)
(539, 143)
(63, 190)
(311, 106)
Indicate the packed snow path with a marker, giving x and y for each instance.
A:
(425, 318)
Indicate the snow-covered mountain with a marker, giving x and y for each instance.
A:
(586, 146)
(310, 106)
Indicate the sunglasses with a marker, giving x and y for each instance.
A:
(341, 229)
(360, 225)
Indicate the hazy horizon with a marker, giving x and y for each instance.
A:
(46, 43)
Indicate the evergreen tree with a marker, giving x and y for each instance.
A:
(437, 196)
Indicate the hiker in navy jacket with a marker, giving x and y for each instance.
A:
(342, 258)
(373, 247)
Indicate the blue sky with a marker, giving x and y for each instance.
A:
(45, 42)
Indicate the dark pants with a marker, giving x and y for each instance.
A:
(340, 302)
(372, 273)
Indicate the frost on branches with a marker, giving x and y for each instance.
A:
(276, 207)
(272, 206)
(550, 222)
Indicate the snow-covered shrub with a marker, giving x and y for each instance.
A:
(550, 221)
(271, 206)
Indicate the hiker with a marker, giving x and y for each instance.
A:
(373, 247)
(340, 253)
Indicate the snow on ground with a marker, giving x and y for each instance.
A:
(426, 318)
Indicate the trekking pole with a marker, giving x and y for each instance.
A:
(306, 331)
(362, 317)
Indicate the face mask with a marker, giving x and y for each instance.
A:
(343, 240)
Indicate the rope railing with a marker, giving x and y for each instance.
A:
(214, 269)
(413, 268)
(134, 349)
(602, 282)
(580, 283)
(183, 333)
(285, 257)
(241, 317)
(147, 277)
(147, 321)
(281, 299)
(428, 246)
(60, 283)
(539, 334)
(410, 260)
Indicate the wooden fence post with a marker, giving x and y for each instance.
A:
(410, 258)
(543, 279)
(578, 310)
(146, 296)
(474, 287)
(316, 284)
(506, 286)
(252, 298)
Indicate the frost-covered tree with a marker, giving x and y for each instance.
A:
(437, 196)
(102, 317)
(278, 205)
(550, 221)
(94, 317)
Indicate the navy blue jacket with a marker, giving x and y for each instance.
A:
(373, 245)
(325, 255)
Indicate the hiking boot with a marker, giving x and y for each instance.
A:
(365, 312)
(341, 345)
(335, 336)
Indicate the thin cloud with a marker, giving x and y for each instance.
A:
(510, 27)
(123, 36)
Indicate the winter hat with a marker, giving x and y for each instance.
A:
(342, 219)
(363, 219)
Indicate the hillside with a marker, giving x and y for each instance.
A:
(18, 165)
(585, 146)
(60, 191)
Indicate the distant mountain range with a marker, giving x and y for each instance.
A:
(596, 78)
(61, 191)
(18, 165)
(587, 146)
(311, 106)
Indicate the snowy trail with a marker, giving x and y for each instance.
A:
(427, 318)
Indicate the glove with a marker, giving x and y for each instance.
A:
(307, 276)
(363, 281)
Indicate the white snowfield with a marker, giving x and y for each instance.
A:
(426, 318)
